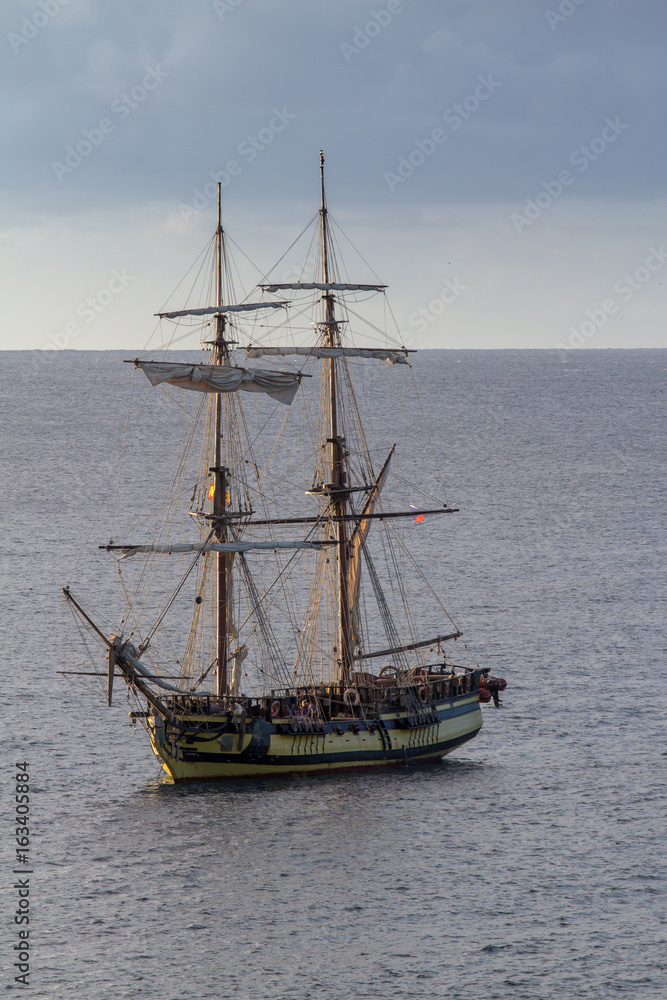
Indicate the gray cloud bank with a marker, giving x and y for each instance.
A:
(110, 105)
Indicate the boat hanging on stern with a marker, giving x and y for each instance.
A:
(279, 635)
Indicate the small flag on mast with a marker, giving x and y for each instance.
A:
(415, 510)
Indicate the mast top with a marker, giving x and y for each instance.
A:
(222, 352)
(323, 205)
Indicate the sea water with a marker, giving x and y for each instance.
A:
(526, 865)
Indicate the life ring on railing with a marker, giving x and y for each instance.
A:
(351, 696)
(275, 708)
(423, 692)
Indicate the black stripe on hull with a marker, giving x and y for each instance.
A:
(347, 760)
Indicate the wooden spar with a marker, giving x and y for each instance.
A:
(412, 645)
(83, 614)
(148, 695)
(133, 680)
(110, 673)
(353, 517)
(338, 500)
(220, 357)
(96, 673)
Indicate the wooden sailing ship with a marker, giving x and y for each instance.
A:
(222, 690)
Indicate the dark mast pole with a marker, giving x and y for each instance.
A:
(220, 357)
(337, 482)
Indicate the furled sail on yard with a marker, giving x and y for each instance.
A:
(323, 286)
(395, 357)
(219, 310)
(241, 546)
(209, 378)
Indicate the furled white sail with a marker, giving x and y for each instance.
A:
(169, 548)
(238, 656)
(216, 378)
(395, 357)
(324, 286)
(212, 310)
(129, 655)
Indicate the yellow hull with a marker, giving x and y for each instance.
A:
(267, 750)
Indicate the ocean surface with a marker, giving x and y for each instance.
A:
(528, 864)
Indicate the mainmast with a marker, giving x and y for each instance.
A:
(220, 487)
(337, 484)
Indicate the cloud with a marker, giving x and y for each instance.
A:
(225, 76)
(222, 80)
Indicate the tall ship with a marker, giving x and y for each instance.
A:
(275, 619)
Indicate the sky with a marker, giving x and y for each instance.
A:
(499, 163)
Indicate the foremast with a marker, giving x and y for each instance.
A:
(337, 476)
(220, 480)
